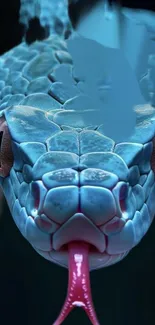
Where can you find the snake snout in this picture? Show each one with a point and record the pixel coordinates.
(77, 207)
(92, 206)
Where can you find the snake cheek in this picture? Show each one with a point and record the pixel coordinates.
(6, 154)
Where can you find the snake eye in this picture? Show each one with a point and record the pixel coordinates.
(6, 155)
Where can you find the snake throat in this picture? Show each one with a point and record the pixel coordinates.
(79, 290)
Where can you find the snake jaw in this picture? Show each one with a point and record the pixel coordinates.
(79, 290)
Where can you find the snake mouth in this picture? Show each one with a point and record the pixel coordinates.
(82, 230)
(92, 248)
(96, 259)
(79, 228)
(93, 251)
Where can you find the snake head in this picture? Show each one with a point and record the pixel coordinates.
(57, 181)
(80, 199)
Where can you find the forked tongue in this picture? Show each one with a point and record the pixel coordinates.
(79, 290)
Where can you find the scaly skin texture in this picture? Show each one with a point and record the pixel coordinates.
(65, 181)
(69, 173)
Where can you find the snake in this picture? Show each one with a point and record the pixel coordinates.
(81, 199)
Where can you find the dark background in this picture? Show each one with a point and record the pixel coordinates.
(32, 290)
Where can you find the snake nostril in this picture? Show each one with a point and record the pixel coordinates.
(123, 194)
(36, 198)
(36, 195)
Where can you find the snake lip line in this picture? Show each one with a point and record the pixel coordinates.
(92, 248)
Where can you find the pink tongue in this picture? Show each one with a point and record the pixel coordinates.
(79, 291)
